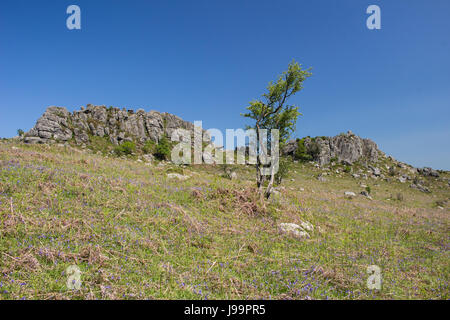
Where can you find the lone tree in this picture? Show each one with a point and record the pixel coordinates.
(273, 112)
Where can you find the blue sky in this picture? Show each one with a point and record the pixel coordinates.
(205, 60)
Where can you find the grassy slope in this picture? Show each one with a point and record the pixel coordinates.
(136, 234)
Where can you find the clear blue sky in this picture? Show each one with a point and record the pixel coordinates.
(205, 60)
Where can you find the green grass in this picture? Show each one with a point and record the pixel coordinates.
(135, 234)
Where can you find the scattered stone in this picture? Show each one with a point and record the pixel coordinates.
(402, 179)
(307, 226)
(346, 162)
(376, 171)
(177, 176)
(441, 203)
(420, 187)
(355, 175)
(428, 172)
(148, 158)
(233, 175)
(294, 230)
(366, 194)
(349, 194)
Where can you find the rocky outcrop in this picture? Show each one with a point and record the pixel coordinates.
(428, 172)
(420, 187)
(57, 124)
(345, 148)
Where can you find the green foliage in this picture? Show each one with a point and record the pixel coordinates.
(368, 189)
(301, 153)
(149, 147)
(163, 149)
(283, 170)
(126, 148)
(272, 112)
(392, 171)
(347, 169)
(101, 144)
(20, 132)
(178, 170)
(314, 149)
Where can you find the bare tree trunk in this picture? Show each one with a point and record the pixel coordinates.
(273, 163)
(270, 185)
(259, 175)
(260, 178)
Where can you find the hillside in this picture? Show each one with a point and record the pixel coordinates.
(158, 231)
